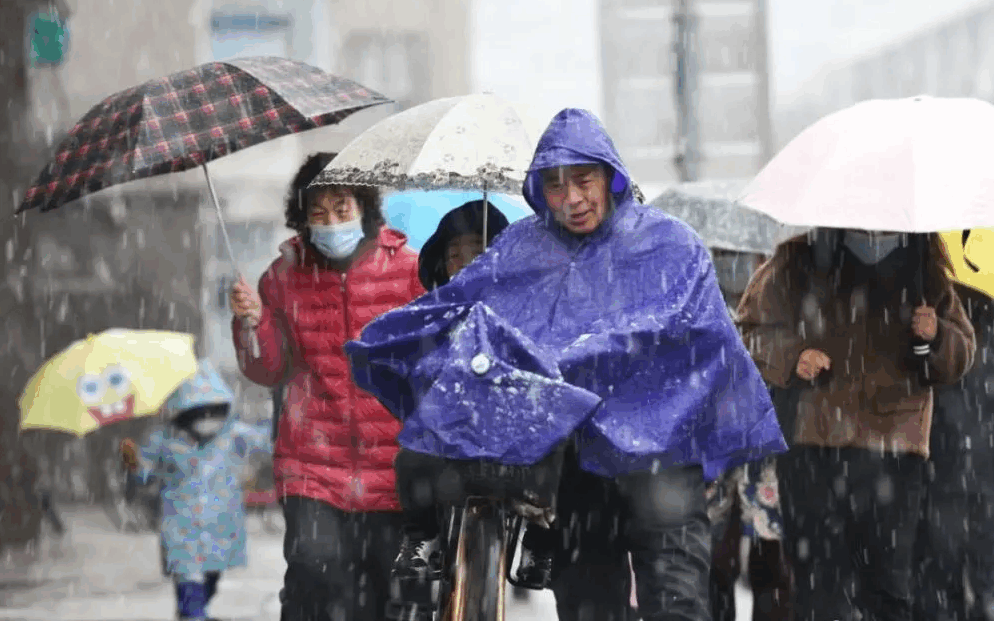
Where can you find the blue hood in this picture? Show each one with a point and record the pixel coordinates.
(206, 388)
(574, 137)
(630, 315)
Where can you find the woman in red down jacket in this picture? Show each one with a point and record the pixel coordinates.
(335, 444)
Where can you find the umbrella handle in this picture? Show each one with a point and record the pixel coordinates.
(486, 213)
(253, 337)
(220, 219)
(920, 271)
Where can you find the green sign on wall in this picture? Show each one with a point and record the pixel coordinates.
(49, 38)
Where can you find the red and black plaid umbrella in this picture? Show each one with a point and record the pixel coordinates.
(189, 118)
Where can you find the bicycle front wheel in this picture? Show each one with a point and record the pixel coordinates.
(478, 592)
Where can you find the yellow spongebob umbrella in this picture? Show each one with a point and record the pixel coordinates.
(109, 377)
(973, 261)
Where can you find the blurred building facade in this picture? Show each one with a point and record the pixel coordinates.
(687, 79)
(954, 58)
(149, 254)
(21, 153)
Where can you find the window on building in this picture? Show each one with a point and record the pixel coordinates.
(238, 34)
(396, 64)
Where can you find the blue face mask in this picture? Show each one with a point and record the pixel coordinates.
(337, 241)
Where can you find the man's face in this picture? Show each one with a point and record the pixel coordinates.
(461, 251)
(577, 195)
(332, 206)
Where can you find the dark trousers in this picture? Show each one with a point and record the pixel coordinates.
(338, 564)
(850, 521)
(661, 519)
(417, 480)
(955, 546)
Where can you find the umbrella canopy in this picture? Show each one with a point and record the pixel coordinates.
(114, 376)
(913, 165)
(710, 208)
(475, 142)
(192, 117)
(418, 213)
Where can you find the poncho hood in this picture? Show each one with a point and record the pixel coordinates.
(559, 146)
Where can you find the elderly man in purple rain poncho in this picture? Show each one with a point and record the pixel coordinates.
(632, 358)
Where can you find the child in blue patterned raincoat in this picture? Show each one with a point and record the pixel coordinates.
(199, 457)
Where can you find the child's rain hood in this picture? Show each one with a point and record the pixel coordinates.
(206, 388)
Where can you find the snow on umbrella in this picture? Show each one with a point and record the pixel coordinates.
(710, 208)
(914, 165)
(474, 142)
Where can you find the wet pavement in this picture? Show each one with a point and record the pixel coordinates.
(95, 573)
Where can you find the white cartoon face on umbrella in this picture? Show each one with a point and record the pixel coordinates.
(109, 395)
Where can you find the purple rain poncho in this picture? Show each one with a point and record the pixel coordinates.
(620, 339)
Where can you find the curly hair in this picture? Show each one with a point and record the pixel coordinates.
(297, 198)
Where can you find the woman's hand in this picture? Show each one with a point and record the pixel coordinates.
(246, 303)
(925, 323)
(812, 363)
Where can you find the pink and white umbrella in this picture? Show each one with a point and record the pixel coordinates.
(920, 164)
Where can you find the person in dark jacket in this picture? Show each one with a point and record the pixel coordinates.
(454, 244)
(457, 241)
(957, 529)
(864, 324)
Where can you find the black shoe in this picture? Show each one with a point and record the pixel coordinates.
(535, 571)
(418, 558)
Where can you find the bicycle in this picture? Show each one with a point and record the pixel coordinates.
(485, 505)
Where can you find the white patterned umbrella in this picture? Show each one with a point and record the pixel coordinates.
(474, 142)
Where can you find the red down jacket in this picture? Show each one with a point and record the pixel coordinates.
(335, 443)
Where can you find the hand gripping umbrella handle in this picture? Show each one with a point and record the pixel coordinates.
(253, 337)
